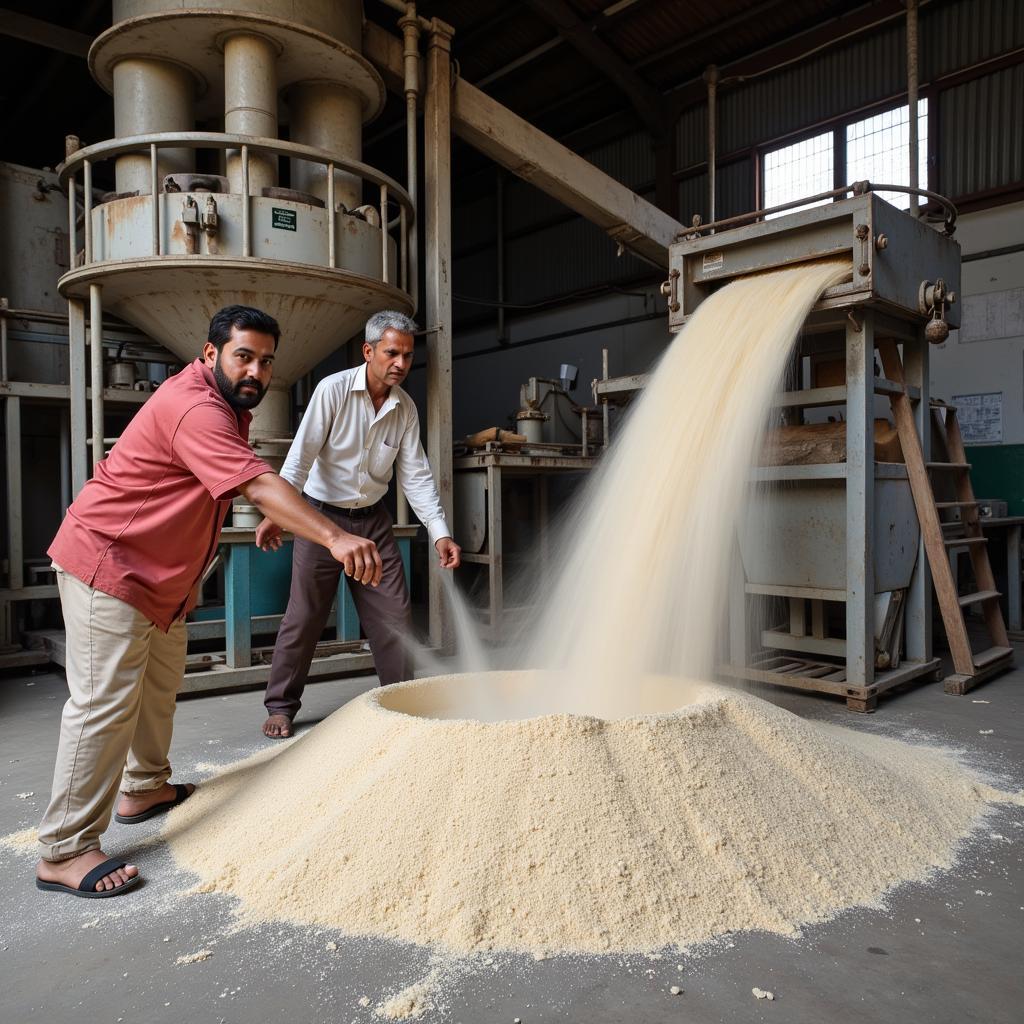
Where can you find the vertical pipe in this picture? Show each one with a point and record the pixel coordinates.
(72, 223)
(76, 379)
(87, 209)
(246, 213)
(605, 413)
(410, 26)
(499, 232)
(403, 249)
(332, 241)
(3, 340)
(151, 96)
(250, 105)
(912, 84)
(384, 270)
(65, 461)
(96, 357)
(438, 227)
(154, 198)
(711, 78)
(329, 117)
(15, 535)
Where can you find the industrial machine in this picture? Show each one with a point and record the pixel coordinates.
(196, 219)
(860, 536)
(837, 548)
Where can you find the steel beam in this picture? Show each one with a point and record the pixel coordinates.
(527, 152)
(646, 100)
(44, 33)
(76, 380)
(437, 217)
(860, 501)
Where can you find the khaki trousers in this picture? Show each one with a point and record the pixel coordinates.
(123, 676)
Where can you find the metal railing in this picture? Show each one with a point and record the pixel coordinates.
(857, 188)
(390, 190)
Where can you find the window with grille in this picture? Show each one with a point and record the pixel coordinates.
(878, 150)
(802, 169)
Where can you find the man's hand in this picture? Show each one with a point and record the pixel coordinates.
(450, 552)
(359, 556)
(268, 536)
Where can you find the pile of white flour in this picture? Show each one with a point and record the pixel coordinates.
(599, 806)
(569, 833)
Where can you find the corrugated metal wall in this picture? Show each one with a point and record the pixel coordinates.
(980, 127)
(981, 133)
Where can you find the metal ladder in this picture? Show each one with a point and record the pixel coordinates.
(970, 668)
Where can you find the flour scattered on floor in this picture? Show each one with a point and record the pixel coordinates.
(411, 1002)
(24, 841)
(195, 958)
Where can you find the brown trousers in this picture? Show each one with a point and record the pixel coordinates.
(383, 610)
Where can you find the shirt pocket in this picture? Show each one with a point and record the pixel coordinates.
(382, 458)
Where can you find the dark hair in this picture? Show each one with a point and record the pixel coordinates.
(245, 318)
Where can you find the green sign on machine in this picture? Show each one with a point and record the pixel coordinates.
(287, 220)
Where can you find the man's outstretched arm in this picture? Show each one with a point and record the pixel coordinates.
(280, 502)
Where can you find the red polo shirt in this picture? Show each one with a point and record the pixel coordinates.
(145, 527)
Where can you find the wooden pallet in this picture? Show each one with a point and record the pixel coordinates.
(802, 673)
(970, 667)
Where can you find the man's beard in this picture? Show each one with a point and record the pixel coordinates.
(231, 391)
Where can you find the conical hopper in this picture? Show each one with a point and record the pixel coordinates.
(173, 299)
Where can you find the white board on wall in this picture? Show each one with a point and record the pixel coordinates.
(992, 315)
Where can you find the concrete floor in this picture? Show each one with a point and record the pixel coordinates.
(946, 951)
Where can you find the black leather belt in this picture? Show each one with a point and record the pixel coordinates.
(352, 513)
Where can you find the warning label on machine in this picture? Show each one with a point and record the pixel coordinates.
(713, 261)
(287, 220)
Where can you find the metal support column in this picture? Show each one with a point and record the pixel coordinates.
(912, 86)
(76, 379)
(237, 605)
(96, 371)
(15, 539)
(860, 499)
(438, 226)
(495, 547)
(919, 597)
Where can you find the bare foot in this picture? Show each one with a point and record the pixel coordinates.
(71, 872)
(136, 803)
(277, 727)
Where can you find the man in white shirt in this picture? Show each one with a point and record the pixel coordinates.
(358, 428)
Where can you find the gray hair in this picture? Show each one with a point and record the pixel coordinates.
(388, 319)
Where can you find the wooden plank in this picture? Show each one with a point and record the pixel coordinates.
(993, 655)
(927, 514)
(976, 598)
(944, 466)
(963, 542)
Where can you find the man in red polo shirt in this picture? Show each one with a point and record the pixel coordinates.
(129, 557)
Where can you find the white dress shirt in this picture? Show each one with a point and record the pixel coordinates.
(344, 452)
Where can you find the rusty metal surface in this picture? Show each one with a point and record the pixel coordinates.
(172, 299)
(190, 39)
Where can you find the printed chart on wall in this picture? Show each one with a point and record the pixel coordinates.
(980, 417)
